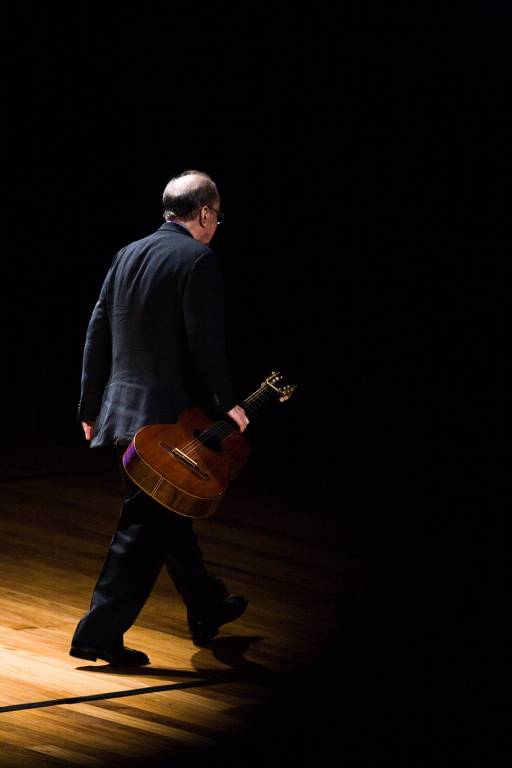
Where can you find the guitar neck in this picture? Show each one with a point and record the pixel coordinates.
(251, 405)
(264, 395)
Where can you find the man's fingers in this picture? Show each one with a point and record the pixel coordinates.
(88, 427)
(238, 415)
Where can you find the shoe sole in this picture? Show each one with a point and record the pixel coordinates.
(90, 655)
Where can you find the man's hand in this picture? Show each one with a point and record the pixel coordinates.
(88, 428)
(237, 413)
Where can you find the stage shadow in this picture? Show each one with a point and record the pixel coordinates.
(189, 674)
(228, 650)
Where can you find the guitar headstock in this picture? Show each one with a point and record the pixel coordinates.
(285, 391)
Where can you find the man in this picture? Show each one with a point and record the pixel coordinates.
(155, 345)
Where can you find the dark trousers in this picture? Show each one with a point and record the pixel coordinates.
(147, 537)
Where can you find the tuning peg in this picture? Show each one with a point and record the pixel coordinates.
(271, 378)
(287, 392)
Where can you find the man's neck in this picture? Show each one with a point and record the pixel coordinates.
(180, 224)
(195, 229)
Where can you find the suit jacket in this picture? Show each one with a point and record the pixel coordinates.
(155, 343)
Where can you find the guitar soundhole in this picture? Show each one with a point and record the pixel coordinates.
(211, 441)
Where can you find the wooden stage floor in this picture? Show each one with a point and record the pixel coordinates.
(297, 565)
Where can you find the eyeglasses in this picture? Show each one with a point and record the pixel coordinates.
(220, 215)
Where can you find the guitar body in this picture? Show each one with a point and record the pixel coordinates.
(175, 468)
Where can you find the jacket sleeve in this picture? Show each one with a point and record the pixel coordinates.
(96, 360)
(204, 311)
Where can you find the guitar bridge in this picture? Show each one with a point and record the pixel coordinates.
(185, 460)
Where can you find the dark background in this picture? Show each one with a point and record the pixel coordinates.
(363, 160)
(104, 108)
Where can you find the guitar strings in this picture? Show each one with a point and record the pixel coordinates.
(222, 429)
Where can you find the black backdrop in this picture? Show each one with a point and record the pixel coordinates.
(105, 106)
(363, 159)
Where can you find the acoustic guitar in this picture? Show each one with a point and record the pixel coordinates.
(188, 466)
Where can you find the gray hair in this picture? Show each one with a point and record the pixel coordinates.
(186, 193)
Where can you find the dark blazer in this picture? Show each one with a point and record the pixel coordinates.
(155, 343)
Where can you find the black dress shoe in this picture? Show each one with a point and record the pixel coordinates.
(204, 630)
(116, 657)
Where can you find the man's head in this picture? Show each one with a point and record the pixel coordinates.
(192, 198)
